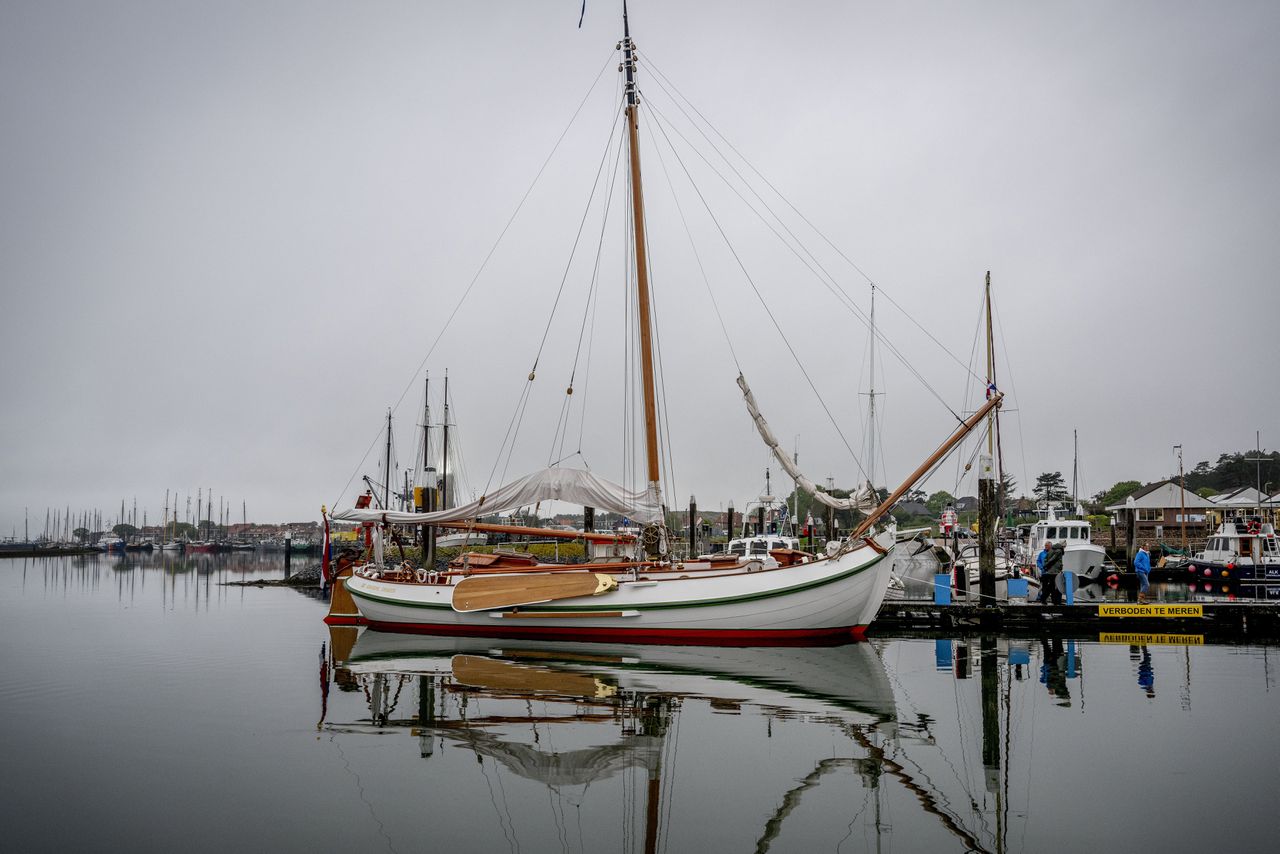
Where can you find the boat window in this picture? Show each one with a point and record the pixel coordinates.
(737, 548)
(759, 547)
(1050, 533)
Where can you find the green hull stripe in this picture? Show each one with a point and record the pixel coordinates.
(577, 609)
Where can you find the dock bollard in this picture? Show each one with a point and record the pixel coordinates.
(942, 588)
(1069, 586)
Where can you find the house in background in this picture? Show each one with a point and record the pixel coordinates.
(1158, 511)
(1245, 502)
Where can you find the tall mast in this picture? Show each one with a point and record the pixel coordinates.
(444, 449)
(871, 415)
(991, 371)
(986, 478)
(642, 262)
(426, 430)
(1075, 470)
(1182, 491)
(386, 484)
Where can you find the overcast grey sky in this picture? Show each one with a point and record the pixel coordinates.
(229, 233)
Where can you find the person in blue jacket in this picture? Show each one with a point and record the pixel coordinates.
(1040, 559)
(1142, 566)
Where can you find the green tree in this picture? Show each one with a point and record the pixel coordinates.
(124, 531)
(938, 501)
(1051, 487)
(1117, 493)
(81, 534)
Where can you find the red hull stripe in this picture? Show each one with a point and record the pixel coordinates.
(692, 637)
(343, 620)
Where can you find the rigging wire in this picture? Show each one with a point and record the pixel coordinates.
(564, 278)
(483, 264)
(1008, 372)
(522, 406)
(815, 267)
(795, 356)
(702, 270)
(588, 310)
(659, 74)
(573, 250)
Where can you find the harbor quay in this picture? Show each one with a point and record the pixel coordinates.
(1220, 621)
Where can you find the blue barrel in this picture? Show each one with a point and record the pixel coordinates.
(1017, 588)
(942, 588)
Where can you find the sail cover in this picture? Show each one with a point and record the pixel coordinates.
(864, 499)
(576, 486)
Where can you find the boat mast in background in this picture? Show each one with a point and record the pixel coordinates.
(1075, 469)
(386, 473)
(871, 397)
(986, 478)
(444, 450)
(1182, 489)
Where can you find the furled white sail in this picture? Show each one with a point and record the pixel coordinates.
(575, 486)
(864, 499)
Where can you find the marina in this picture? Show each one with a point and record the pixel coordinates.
(620, 405)
(950, 742)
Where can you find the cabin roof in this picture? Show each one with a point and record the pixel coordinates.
(1244, 496)
(1162, 495)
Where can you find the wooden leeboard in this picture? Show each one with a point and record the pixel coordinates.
(480, 672)
(480, 593)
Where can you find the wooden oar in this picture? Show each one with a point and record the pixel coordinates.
(507, 591)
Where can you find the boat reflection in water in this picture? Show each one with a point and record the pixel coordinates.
(675, 747)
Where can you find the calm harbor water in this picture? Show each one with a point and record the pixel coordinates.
(146, 706)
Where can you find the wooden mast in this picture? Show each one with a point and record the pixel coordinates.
(987, 495)
(642, 264)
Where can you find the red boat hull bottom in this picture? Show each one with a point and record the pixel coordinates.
(345, 620)
(685, 637)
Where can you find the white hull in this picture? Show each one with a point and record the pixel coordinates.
(829, 597)
(453, 541)
(850, 676)
(1086, 560)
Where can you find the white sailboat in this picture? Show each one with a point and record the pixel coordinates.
(653, 596)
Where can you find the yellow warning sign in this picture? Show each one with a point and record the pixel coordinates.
(1154, 610)
(1135, 639)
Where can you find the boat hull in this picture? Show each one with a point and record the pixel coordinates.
(1086, 560)
(832, 599)
(1196, 570)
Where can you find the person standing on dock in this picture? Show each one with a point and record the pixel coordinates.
(1049, 592)
(1142, 566)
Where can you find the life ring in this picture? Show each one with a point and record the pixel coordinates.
(1253, 528)
(421, 575)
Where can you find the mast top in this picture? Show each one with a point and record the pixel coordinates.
(628, 67)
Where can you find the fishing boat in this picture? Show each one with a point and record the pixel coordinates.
(651, 595)
(1081, 555)
(1240, 550)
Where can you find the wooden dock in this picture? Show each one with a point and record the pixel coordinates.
(1220, 621)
